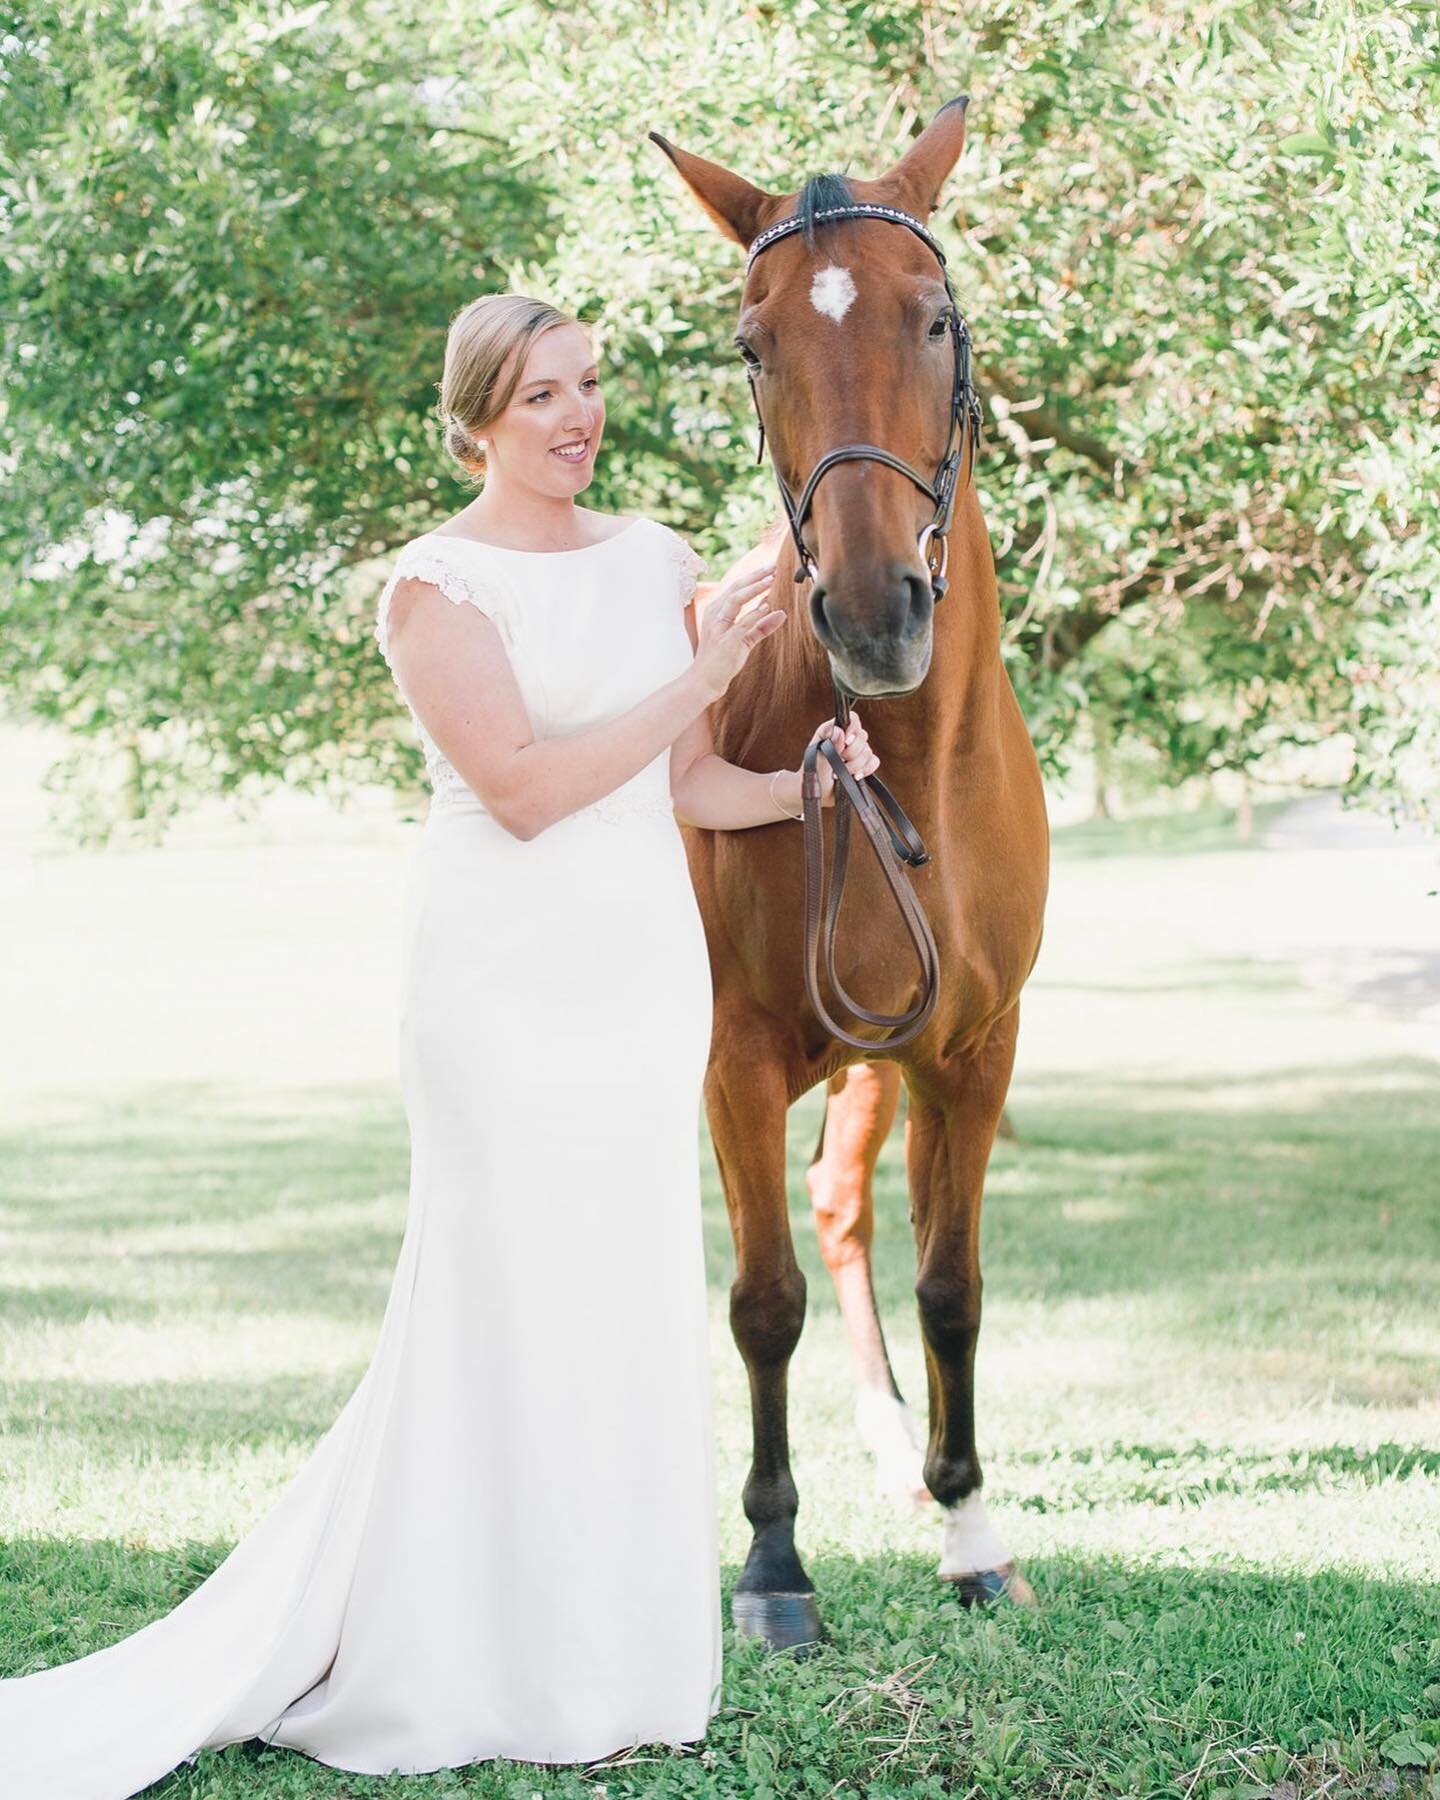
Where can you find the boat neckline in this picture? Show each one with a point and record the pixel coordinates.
(454, 537)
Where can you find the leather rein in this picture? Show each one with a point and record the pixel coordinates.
(892, 838)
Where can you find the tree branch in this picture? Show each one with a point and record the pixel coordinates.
(1044, 420)
(1066, 634)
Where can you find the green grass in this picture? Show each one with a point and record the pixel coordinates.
(1207, 1403)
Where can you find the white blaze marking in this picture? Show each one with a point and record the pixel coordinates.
(832, 291)
(970, 1540)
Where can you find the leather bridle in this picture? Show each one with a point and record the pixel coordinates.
(891, 836)
(965, 414)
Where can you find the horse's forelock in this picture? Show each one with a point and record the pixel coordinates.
(819, 193)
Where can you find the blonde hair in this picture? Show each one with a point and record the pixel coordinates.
(482, 335)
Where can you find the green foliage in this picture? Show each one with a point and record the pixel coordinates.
(1198, 250)
(1230, 275)
(231, 244)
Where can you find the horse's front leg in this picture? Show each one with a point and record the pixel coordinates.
(745, 1101)
(954, 1113)
(859, 1110)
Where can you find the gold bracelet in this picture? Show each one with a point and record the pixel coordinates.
(789, 815)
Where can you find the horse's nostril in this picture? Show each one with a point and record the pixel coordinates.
(819, 619)
(923, 596)
(904, 619)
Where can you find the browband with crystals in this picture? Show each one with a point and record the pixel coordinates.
(857, 209)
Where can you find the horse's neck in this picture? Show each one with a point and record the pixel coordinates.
(954, 709)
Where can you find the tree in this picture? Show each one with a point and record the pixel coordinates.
(1197, 250)
(231, 243)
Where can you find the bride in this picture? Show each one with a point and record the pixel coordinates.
(506, 1544)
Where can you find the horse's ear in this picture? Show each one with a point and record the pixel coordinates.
(920, 173)
(738, 208)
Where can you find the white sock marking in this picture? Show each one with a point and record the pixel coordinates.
(889, 1433)
(970, 1540)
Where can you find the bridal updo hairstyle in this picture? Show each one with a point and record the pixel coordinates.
(482, 335)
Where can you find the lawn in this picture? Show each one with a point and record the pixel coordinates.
(1208, 1399)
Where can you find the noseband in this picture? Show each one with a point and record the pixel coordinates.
(892, 838)
(966, 417)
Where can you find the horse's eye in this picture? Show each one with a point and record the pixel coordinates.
(942, 325)
(747, 355)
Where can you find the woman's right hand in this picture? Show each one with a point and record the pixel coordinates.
(724, 640)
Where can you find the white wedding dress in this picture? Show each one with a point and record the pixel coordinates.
(506, 1544)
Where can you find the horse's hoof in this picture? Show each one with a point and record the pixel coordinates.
(984, 1587)
(785, 1621)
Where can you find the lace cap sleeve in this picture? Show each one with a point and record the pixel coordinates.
(688, 566)
(419, 560)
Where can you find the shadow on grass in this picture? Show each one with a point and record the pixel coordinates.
(1149, 1186)
(1273, 1216)
(1306, 1194)
(1403, 983)
(69, 1304)
(179, 1162)
(198, 1164)
(1134, 1676)
(129, 1422)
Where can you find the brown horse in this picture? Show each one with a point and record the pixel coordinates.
(843, 326)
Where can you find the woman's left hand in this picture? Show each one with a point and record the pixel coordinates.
(855, 752)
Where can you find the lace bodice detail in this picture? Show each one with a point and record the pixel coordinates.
(416, 563)
(518, 591)
(687, 566)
